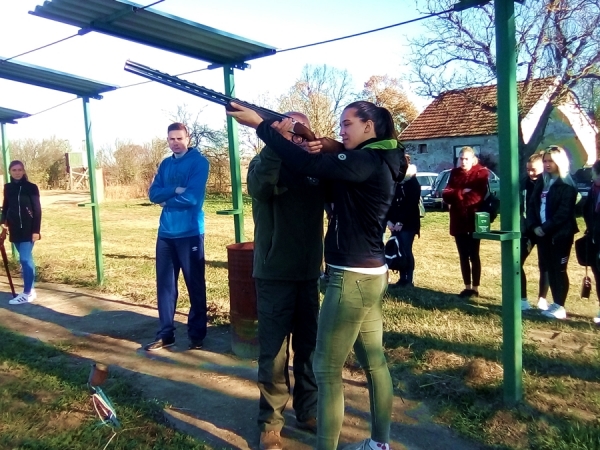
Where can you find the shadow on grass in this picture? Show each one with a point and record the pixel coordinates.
(429, 299)
(123, 390)
(474, 404)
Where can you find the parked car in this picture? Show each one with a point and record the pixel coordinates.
(426, 180)
(434, 200)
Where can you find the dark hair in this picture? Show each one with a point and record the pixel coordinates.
(16, 162)
(381, 117)
(596, 167)
(178, 126)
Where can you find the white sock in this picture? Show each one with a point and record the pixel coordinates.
(374, 445)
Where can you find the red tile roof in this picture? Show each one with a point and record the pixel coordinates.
(469, 112)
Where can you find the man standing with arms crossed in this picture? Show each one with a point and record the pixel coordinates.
(288, 249)
(179, 187)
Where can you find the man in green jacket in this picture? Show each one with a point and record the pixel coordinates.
(288, 249)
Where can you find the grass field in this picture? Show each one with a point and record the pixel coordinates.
(439, 347)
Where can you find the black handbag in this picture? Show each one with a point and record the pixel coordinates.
(394, 258)
(490, 204)
(585, 251)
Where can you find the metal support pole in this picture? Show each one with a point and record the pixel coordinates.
(5, 152)
(6, 162)
(509, 205)
(93, 191)
(234, 161)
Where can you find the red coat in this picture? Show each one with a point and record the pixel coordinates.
(463, 206)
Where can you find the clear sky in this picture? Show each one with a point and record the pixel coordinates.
(141, 112)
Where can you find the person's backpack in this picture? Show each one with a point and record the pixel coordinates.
(490, 204)
(394, 259)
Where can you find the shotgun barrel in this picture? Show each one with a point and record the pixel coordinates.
(329, 145)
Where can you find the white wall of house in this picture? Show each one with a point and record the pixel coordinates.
(439, 152)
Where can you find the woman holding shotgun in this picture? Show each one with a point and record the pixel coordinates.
(363, 176)
(22, 217)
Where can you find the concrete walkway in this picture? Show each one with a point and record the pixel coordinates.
(211, 393)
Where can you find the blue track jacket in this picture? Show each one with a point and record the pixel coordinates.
(182, 215)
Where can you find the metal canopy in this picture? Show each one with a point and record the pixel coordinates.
(52, 79)
(11, 116)
(131, 21)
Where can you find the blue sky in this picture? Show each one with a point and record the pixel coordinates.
(142, 112)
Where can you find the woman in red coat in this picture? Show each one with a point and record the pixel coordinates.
(466, 189)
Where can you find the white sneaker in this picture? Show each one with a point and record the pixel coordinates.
(597, 319)
(525, 304)
(555, 311)
(22, 298)
(542, 304)
(32, 295)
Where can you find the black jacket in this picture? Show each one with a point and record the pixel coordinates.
(591, 217)
(405, 206)
(362, 193)
(287, 208)
(21, 210)
(560, 209)
(526, 189)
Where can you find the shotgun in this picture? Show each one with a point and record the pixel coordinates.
(329, 145)
(5, 261)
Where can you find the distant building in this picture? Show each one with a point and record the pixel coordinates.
(467, 117)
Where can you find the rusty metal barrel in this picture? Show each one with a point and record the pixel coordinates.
(242, 300)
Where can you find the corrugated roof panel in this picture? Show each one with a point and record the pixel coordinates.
(52, 79)
(11, 115)
(127, 20)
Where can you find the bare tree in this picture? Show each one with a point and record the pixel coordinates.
(321, 93)
(199, 132)
(557, 38)
(44, 160)
(387, 92)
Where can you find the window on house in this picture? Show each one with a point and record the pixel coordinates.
(422, 148)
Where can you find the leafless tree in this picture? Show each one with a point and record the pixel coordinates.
(387, 92)
(557, 38)
(321, 93)
(44, 160)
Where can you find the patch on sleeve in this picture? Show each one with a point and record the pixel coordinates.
(342, 157)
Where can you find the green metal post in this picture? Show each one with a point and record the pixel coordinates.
(91, 158)
(5, 152)
(509, 194)
(6, 162)
(234, 161)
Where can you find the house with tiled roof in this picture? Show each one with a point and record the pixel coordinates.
(468, 117)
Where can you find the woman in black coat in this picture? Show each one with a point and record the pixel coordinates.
(404, 221)
(551, 216)
(591, 215)
(22, 217)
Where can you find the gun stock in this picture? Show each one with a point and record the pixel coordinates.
(329, 145)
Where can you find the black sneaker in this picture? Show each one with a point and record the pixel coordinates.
(468, 293)
(158, 345)
(195, 345)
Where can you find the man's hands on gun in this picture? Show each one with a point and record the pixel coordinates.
(250, 118)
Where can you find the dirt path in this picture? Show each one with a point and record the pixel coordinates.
(211, 393)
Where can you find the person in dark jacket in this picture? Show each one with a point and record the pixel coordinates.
(22, 217)
(551, 216)
(535, 167)
(466, 189)
(363, 177)
(179, 188)
(287, 208)
(404, 220)
(591, 215)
